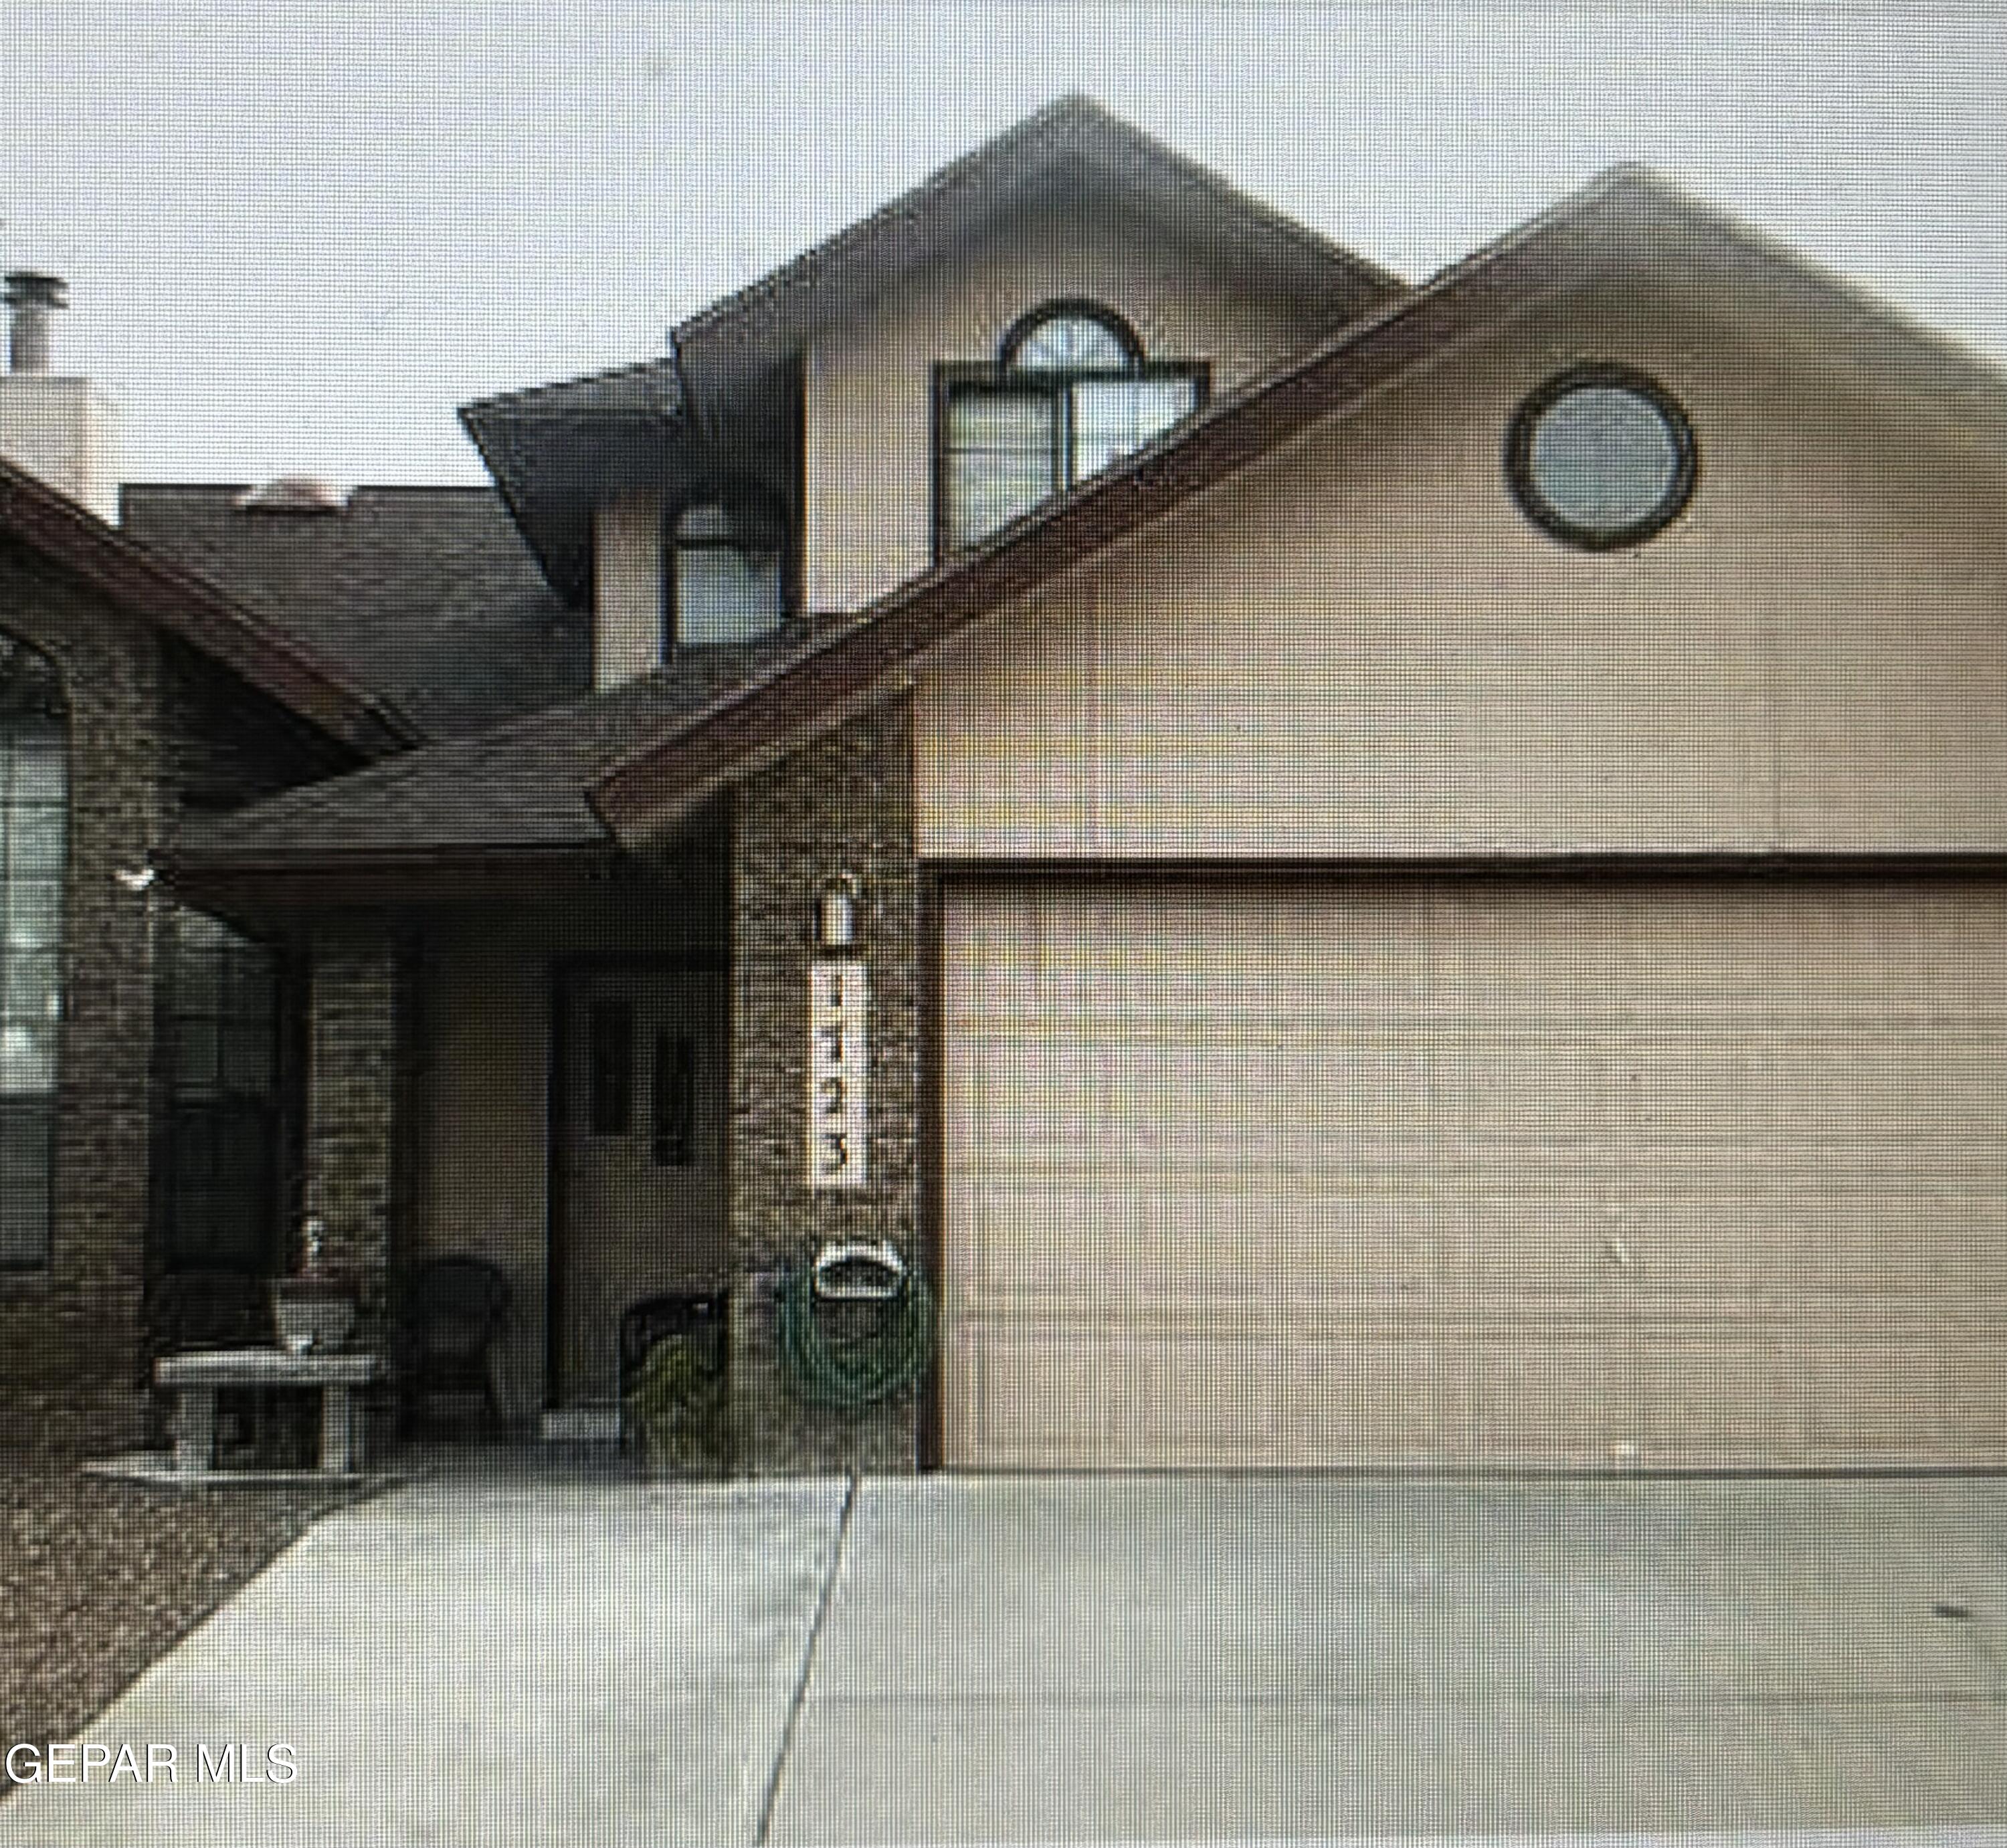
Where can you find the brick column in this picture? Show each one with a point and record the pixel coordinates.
(351, 1128)
(843, 804)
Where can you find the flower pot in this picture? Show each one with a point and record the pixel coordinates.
(312, 1314)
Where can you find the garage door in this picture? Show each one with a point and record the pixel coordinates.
(1692, 1171)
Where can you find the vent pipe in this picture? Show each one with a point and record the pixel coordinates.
(32, 298)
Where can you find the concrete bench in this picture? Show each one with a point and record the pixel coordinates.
(196, 1379)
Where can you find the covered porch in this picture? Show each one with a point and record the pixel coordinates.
(524, 1070)
(509, 1052)
(579, 1069)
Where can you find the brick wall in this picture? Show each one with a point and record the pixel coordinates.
(843, 804)
(151, 725)
(71, 1355)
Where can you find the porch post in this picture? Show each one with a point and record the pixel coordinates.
(352, 1082)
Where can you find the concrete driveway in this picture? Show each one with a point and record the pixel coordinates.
(548, 1661)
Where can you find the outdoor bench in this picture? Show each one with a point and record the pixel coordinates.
(196, 1379)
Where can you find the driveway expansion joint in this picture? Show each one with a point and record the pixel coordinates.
(772, 1794)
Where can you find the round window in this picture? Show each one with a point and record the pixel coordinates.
(1601, 456)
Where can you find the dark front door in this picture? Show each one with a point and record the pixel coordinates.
(643, 1131)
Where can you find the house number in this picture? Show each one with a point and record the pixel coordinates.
(839, 1050)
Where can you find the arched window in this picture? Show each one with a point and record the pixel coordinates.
(1075, 337)
(729, 573)
(1071, 392)
(34, 844)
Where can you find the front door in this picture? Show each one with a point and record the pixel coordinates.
(643, 1152)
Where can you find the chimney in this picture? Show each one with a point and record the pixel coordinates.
(65, 431)
(32, 299)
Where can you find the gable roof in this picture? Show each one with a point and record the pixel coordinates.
(1070, 148)
(1628, 219)
(645, 423)
(138, 579)
(427, 594)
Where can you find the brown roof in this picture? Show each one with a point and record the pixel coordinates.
(1628, 218)
(427, 595)
(516, 792)
(554, 450)
(138, 578)
(1074, 141)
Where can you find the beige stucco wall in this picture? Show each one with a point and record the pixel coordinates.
(1359, 646)
(488, 1015)
(868, 476)
(626, 587)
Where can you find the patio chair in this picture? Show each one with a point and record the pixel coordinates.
(453, 1312)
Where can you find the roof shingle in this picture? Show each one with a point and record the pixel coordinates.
(427, 595)
(519, 788)
(155, 583)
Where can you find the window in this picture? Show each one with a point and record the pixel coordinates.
(1071, 393)
(34, 829)
(1601, 456)
(729, 581)
(222, 1204)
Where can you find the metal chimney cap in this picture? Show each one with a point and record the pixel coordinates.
(36, 288)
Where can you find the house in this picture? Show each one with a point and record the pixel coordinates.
(1406, 875)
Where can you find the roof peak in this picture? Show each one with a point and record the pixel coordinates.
(1073, 148)
(1006, 166)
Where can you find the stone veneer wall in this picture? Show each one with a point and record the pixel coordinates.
(71, 1349)
(843, 804)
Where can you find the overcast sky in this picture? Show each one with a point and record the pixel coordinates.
(297, 236)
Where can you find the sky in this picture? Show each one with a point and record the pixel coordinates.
(298, 236)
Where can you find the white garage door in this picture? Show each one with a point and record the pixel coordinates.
(1693, 1171)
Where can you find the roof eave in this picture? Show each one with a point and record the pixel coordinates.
(1073, 130)
(270, 886)
(764, 324)
(587, 451)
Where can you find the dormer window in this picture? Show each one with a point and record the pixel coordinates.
(727, 575)
(1071, 392)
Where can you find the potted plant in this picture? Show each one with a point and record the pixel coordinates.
(678, 1408)
(314, 1308)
